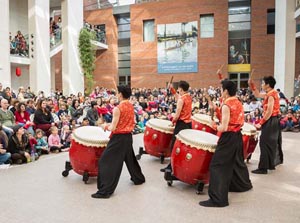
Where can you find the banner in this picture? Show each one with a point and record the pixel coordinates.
(177, 47)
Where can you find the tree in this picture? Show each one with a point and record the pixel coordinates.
(87, 56)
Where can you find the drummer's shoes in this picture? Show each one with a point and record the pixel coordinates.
(98, 195)
(166, 168)
(260, 171)
(210, 203)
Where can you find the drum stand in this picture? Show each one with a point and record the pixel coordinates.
(68, 167)
(142, 151)
(169, 177)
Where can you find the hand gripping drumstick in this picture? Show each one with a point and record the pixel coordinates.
(219, 73)
(173, 91)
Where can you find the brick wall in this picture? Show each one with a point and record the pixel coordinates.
(58, 70)
(106, 72)
(262, 44)
(212, 52)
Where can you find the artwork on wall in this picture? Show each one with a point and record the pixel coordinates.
(177, 47)
(239, 51)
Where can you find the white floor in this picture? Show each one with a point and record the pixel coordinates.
(37, 193)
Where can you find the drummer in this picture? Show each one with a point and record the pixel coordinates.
(270, 138)
(119, 148)
(182, 119)
(228, 171)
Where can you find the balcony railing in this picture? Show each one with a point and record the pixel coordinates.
(55, 38)
(19, 46)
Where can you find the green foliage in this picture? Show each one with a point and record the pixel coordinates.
(87, 56)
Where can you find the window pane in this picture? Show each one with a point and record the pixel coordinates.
(148, 30)
(239, 10)
(125, 27)
(124, 35)
(239, 26)
(206, 26)
(240, 18)
(271, 21)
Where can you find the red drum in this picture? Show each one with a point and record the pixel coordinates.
(250, 139)
(202, 122)
(157, 137)
(87, 145)
(191, 155)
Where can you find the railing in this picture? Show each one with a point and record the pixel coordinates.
(99, 31)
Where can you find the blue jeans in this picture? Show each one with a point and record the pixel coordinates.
(4, 157)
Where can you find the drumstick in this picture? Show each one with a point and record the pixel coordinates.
(251, 74)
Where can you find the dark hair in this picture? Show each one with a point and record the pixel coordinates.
(125, 91)
(93, 103)
(74, 102)
(19, 106)
(184, 85)
(230, 86)
(270, 80)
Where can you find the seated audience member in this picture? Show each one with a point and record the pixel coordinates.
(92, 114)
(30, 108)
(19, 146)
(85, 122)
(66, 136)
(42, 146)
(289, 122)
(42, 117)
(54, 140)
(23, 118)
(4, 155)
(7, 118)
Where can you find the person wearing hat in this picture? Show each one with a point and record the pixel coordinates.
(92, 114)
(119, 148)
(19, 146)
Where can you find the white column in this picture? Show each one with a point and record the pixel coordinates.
(5, 75)
(39, 41)
(72, 22)
(285, 45)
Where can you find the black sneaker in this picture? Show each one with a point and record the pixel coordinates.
(209, 203)
(99, 196)
(260, 171)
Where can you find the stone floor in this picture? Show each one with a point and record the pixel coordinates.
(37, 193)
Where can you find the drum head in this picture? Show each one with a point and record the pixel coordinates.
(161, 125)
(248, 129)
(91, 136)
(204, 119)
(198, 139)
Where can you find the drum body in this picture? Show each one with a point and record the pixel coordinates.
(157, 137)
(191, 155)
(250, 139)
(202, 122)
(87, 146)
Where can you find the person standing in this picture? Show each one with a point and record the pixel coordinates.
(119, 148)
(228, 172)
(182, 119)
(270, 139)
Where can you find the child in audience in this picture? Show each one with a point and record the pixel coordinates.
(42, 146)
(66, 137)
(54, 140)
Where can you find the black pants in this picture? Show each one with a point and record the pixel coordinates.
(270, 144)
(118, 150)
(180, 125)
(228, 172)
